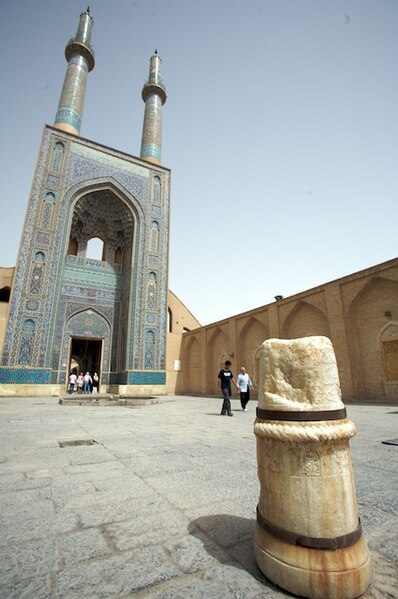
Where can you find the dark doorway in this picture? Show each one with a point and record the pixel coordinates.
(85, 355)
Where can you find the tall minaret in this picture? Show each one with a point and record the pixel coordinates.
(80, 57)
(154, 96)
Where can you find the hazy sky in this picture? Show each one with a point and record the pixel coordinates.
(281, 130)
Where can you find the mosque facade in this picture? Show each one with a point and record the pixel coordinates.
(67, 310)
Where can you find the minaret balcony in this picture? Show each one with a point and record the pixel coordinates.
(154, 88)
(75, 47)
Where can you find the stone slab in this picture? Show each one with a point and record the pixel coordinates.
(163, 506)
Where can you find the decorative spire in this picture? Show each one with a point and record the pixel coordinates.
(80, 57)
(154, 96)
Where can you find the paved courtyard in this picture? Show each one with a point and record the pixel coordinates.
(162, 506)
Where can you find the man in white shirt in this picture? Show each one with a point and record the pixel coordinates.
(72, 382)
(244, 384)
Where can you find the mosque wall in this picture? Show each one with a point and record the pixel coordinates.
(179, 322)
(359, 313)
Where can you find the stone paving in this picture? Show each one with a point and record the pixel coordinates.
(162, 506)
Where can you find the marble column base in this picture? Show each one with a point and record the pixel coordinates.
(317, 574)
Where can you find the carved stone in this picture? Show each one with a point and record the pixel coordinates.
(308, 538)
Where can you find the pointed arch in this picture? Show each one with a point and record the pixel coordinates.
(193, 369)
(88, 311)
(157, 190)
(154, 242)
(251, 336)
(118, 256)
(113, 187)
(128, 234)
(96, 249)
(218, 350)
(305, 320)
(5, 294)
(87, 324)
(57, 156)
(368, 331)
(73, 246)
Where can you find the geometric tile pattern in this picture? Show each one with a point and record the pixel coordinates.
(83, 190)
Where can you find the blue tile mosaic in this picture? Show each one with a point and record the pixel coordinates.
(22, 376)
(56, 289)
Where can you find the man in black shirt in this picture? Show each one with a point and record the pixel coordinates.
(225, 377)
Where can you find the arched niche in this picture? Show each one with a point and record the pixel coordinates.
(169, 320)
(90, 329)
(26, 340)
(57, 157)
(102, 214)
(218, 350)
(193, 367)
(73, 246)
(366, 323)
(118, 256)
(156, 190)
(154, 237)
(305, 320)
(388, 340)
(5, 294)
(151, 291)
(251, 336)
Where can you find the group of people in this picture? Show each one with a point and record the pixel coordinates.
(243, 386)
(84, 383)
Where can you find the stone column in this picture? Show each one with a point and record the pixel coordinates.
(308, 537)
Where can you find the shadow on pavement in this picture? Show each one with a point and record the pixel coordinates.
(229, 539)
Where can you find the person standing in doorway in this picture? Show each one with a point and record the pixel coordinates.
(87, 382)
(225, 377)
(95, 383)
(72, 382)
(244, 384)
(80, 383)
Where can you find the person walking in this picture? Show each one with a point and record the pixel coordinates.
(244, 383)
(87, 382)
(225, 377)
(72, 382)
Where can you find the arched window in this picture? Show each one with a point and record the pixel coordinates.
(95, 249)
(5, 294)
(169, 320)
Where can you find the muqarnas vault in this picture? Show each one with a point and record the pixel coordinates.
(67, 309)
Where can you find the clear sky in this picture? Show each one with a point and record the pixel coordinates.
(281, 130)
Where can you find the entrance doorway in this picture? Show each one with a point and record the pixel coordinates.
(85, 355)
